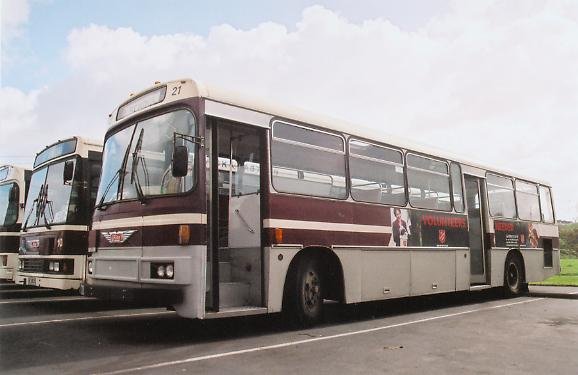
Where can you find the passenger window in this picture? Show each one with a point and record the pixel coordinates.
(308, 162)
(546, 204)
(457, 190)
(376, 173)
(528, 201)
(501, 196)
(429, 183)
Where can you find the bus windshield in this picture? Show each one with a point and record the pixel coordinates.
(51, 200)
(137, 160)
(8, 207)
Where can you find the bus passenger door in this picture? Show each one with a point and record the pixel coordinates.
(236, 252)
(476, 229)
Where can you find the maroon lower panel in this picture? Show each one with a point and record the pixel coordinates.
(293, 207)
(9, 244)
(156, 235)
(168, 235)
(327, 238)
(65, 242)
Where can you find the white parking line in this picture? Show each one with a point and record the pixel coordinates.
(95, 317)
(48, 299)
(307, 341)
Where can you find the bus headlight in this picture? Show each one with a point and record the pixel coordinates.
(170, 271)
(56, 267)
(161, 271)
(90, 267)
(51, 266)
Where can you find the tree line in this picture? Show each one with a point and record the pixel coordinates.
(569, 240)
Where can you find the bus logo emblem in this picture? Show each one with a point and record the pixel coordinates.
(118, 236)
(442, 236)
(35, 244)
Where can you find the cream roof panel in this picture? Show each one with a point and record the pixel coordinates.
(215, 93)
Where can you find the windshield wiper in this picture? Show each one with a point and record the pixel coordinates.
(46, 204)
(36, 206)
(25, 225)
(100, 204)
(133, 173)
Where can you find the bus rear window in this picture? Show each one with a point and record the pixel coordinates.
(546, 204)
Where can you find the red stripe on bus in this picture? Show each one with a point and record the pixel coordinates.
(327, 238)
(327, 210)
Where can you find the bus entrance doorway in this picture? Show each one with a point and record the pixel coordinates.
(476, 229)
(235, 254)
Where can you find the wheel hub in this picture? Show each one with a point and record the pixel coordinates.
(513, 275)
(311, 289)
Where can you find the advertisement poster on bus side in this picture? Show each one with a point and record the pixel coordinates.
(512, 234)
(427, 229)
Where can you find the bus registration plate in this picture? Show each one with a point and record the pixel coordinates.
(31, 281)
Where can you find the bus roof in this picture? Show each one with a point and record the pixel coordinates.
(82, 147)
(10, 172)
(215, 93)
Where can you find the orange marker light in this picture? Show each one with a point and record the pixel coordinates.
(184, 234)
(278, 235)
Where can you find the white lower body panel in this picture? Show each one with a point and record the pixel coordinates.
(53, 281)
(11, 261)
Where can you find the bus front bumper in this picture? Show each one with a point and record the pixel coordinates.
(41, 280)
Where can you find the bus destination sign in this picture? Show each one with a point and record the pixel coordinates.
(146, 100)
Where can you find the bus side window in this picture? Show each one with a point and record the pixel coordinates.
(428, 183)
(501, 196)
(308, 162)
(376, 173)
(528, 201)
(457, 190)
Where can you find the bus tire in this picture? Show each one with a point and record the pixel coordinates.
(306, 293)
(514, 284)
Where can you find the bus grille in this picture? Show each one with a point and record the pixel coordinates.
(33, 265)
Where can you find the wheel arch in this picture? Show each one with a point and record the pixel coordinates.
(330, 267)
(517, 253)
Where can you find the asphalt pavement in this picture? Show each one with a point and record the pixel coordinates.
(52, 332)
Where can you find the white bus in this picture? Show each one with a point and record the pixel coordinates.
(14, 183)
(54, 237)
(311, 209)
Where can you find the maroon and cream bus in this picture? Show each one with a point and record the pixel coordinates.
(219, 206)
(14, 183)
(54, 237)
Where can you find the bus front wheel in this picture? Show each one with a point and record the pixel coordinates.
(306, 300)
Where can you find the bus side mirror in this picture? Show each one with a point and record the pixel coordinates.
(68, 171)
(180, 161)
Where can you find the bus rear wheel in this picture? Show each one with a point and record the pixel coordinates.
(514, 277)
(306, 296)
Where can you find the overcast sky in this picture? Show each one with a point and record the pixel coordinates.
(492, 81)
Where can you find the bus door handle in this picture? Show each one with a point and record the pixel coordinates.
(251, 230)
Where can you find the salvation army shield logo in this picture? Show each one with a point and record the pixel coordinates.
(442, 236)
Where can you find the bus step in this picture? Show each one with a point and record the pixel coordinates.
(479, 287)
(224, 272)
(229, 312)
(233, 294)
